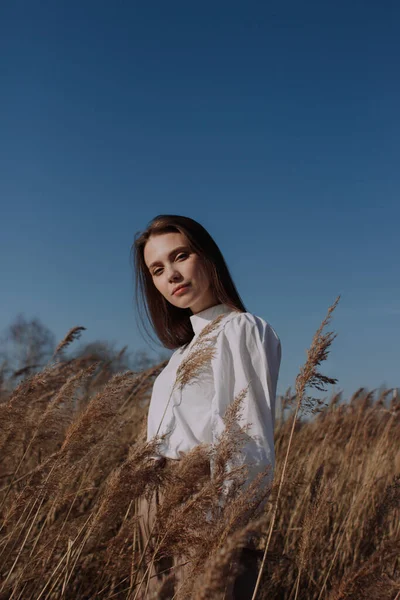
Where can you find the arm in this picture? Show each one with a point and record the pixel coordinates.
(248, 353)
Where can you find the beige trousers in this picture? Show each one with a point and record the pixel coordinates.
(147, 512)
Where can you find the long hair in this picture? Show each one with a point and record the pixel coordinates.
(171, 323)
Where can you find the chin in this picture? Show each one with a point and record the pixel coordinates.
(184, 304)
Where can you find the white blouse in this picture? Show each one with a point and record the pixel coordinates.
(247, 351)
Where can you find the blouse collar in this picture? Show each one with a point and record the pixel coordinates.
(202, 318)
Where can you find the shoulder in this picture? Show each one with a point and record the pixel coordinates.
(248, 325)
(246, 336)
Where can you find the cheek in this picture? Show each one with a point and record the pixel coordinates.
(200, 272)
(157, 283)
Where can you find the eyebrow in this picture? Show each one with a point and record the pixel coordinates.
(175, 251)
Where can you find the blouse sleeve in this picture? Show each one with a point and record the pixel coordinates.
(248, 354)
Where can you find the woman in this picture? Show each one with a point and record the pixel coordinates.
(186, 285)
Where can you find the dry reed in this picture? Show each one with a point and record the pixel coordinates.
(74, 458)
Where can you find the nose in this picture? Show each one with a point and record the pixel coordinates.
(174, 274)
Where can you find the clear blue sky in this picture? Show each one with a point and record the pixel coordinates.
(274, 124)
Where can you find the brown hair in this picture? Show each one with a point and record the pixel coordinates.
(171, 323)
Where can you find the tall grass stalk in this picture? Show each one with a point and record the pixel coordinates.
(75, 462)
(308, 377)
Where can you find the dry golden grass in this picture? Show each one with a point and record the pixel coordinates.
(74, 458)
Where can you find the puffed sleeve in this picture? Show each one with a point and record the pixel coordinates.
(248, 353)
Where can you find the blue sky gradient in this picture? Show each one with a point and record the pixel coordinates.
(275, 125)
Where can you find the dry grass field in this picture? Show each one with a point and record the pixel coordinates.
(74, 458)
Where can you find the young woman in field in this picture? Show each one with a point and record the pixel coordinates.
(186, 286)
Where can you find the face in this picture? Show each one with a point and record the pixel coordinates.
(171, 263)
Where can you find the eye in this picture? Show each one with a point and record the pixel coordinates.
(184, 254)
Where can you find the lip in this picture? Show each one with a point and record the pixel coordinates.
(180, 287)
